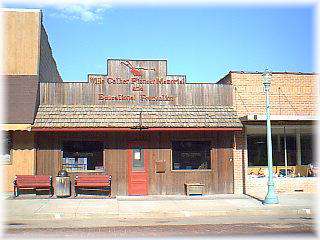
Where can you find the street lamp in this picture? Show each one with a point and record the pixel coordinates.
(271, 197)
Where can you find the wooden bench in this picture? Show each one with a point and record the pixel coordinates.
(92, 182)
(35, 182)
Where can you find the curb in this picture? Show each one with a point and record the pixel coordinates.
(160, 215)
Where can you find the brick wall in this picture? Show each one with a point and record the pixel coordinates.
(257, 187)
(290, 94)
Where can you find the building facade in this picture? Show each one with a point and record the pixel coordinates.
(27, 61)
(293, 98)
(151, 131)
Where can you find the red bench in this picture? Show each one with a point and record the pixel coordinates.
(92, 182)
(32, 182)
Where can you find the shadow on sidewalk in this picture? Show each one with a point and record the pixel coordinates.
(254, 197)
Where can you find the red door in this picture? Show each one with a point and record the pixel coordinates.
(137, 168)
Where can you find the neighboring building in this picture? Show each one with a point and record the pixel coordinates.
(153, 132)
(293, 108)
(27, 61)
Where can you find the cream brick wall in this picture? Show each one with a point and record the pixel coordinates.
(257, 187)
(290, 94)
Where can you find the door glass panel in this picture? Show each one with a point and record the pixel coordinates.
(138, 160)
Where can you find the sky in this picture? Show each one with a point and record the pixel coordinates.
(202, 42)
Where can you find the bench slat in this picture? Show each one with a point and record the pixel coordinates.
(90, 178)
(33, 176)
(34, 186)
(33, 181)
(93, 185)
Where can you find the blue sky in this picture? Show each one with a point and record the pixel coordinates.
(204, 42)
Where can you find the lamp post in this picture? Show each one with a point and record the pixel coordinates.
(271, 197)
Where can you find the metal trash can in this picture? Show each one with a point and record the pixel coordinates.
(63, 184)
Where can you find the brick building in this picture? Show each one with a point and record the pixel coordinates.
(293, 97)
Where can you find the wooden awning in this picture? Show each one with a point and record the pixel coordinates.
(136, 118)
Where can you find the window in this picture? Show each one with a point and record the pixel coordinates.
(306, 149)
(257, 150)
(6, 143)
(138, 160)
(191, 155)
(291, 151)
(82, 156)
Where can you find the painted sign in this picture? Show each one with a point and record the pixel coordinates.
(136, 85)
(104, 79)
(140, 97)
(136, 71)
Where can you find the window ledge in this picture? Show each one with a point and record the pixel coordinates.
(88, 171)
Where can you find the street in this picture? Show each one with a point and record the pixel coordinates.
(182, 227)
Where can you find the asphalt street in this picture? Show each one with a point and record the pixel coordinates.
(297, 226)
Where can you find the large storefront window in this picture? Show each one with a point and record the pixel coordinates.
(306, 149)
(279, 153)
(257, 150)
(191, 155)
(82, 156)
(6, 143)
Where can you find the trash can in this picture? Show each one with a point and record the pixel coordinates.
(63, 184)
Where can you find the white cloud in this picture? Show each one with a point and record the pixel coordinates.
(93, 10)
(84, 10)
(81, 12)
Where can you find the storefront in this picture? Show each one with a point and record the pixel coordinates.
(152, 136)
(292, 147)
(293, 98)
(152, 131)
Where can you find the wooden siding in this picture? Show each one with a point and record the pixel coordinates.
(22, 158)
(87, 93)
(225, 162)
(26, 47)
(48, 155)
(48, 71)
(21, 35)
(21, 99)
(157, 68)
(219, 179)
(27, 60)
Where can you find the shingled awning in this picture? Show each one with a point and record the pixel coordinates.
(101, 116)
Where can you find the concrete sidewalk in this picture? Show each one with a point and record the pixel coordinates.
(155, 207)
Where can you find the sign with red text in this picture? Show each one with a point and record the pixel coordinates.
(139, 88)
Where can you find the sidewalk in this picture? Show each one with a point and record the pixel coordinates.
(155, 207)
